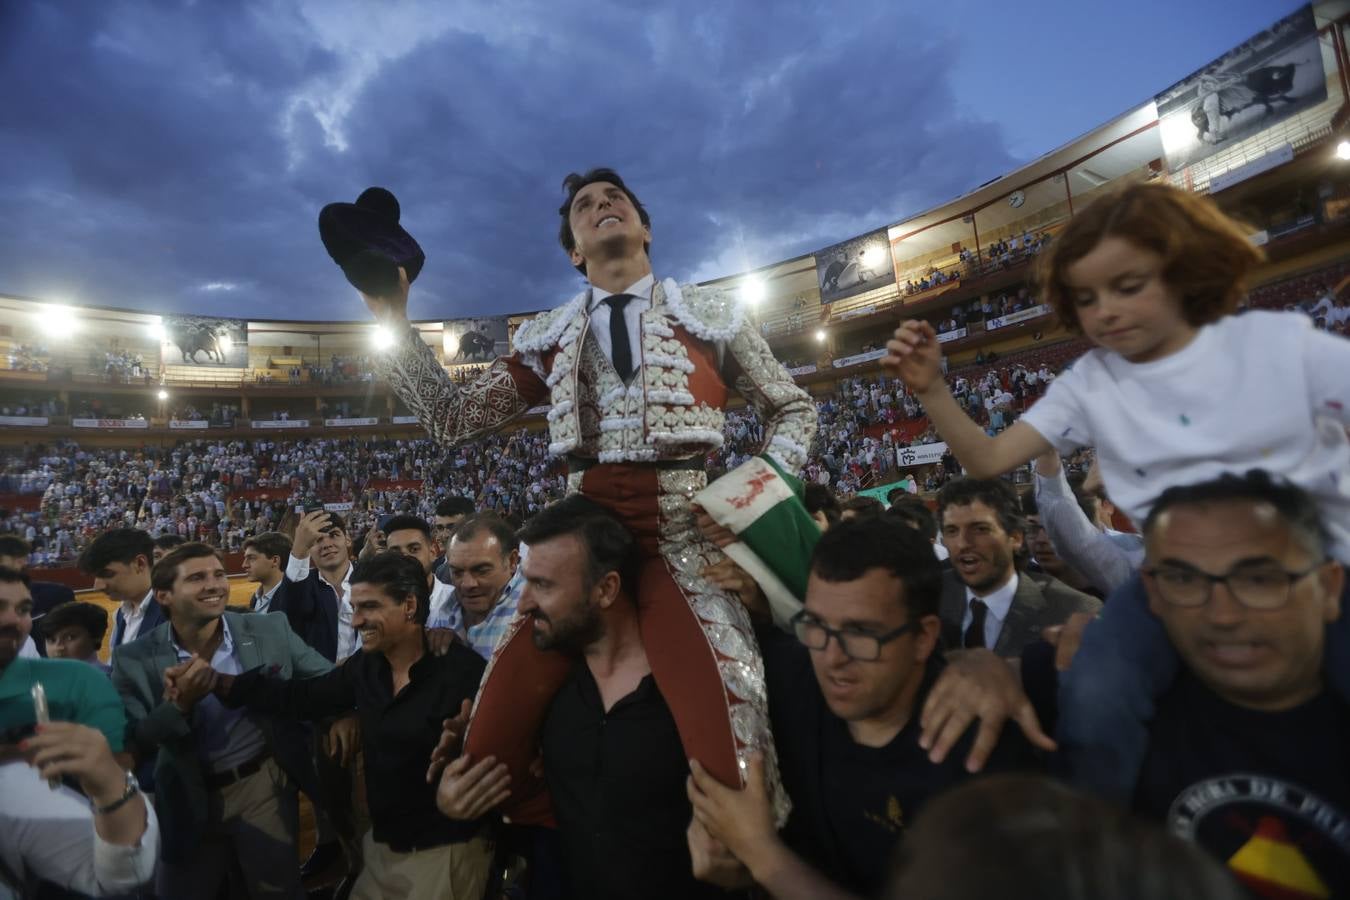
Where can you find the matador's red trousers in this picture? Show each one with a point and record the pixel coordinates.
(698, 640)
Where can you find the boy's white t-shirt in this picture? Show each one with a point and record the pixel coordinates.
(1261, 390)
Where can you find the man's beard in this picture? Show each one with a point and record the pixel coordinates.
(573, 633)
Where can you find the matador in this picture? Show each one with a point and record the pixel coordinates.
(637, 374)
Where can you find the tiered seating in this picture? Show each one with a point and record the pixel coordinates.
(1299, 288)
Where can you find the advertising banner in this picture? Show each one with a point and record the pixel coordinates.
(854, 266)
(945, 337)
(280, 423)
(1257, 84)
(1025, 315)
(110, 423)
(352, 422)
(855, 359)
(23, 421)
(188, 424)
(404, 420)
(922, 455)
(797, 371)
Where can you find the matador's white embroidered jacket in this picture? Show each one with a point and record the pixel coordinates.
(695, 343)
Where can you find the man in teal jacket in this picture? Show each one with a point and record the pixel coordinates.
(225, 779)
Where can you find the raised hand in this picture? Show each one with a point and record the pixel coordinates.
(311, 527)
(393, 308)
(914, 356)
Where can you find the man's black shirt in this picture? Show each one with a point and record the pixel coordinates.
(852, 804)
(617, 781)
(398, 733)
(1268, 793)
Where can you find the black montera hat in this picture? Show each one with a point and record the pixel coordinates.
(365, 239)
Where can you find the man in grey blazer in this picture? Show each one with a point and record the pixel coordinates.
(985, 601)
(225, 780)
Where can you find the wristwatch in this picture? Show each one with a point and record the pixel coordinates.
(133, 788)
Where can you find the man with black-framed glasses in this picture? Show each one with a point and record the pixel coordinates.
(1249, 752)
(844, 699)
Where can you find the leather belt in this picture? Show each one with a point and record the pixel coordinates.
(692, 464)
(217, 780)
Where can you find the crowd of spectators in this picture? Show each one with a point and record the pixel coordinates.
(220, 415)
(21, 357)
(213, 490)
(33, 406)
(120, 366)
(1001, 254)
(983, 309)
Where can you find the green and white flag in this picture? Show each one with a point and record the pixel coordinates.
(763, 506)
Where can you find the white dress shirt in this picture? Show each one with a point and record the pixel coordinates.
(600, 312)
(50, 834)
(262, 600)
(1106, 560)
(998, 604)
(131, 628)
(298, 570)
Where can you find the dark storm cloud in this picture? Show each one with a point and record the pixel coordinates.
(174, 156)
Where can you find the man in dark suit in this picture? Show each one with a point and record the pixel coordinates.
(985, 602)
(47, 595)
(225, 780)
(120, 561)
(315, 595)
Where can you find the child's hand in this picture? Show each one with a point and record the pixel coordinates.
(913, 356)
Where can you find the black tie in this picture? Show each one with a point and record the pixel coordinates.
(618, 335)
(975, 633)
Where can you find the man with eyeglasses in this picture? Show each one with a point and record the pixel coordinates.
(1248, 753)
(844, 698)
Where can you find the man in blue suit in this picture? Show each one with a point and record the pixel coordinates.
(120, 561)
(47, 595)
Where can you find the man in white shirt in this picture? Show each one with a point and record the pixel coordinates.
(120, 561)
(265, 558)
(985, 603)
(102, 843)
(318, 596)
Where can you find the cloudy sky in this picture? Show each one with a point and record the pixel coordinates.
(173, 155)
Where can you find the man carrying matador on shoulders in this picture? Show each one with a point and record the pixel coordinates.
(637, 372)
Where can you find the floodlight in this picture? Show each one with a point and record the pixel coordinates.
(1343, 150)
(820, 335)
(225, 343)
(381, 338)
(753, 291)
(56, 320)
(163, 394)
(158, 331)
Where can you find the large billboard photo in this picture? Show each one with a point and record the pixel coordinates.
(1274, 75)
(205, 341)
(474, 341)
(854, 267)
